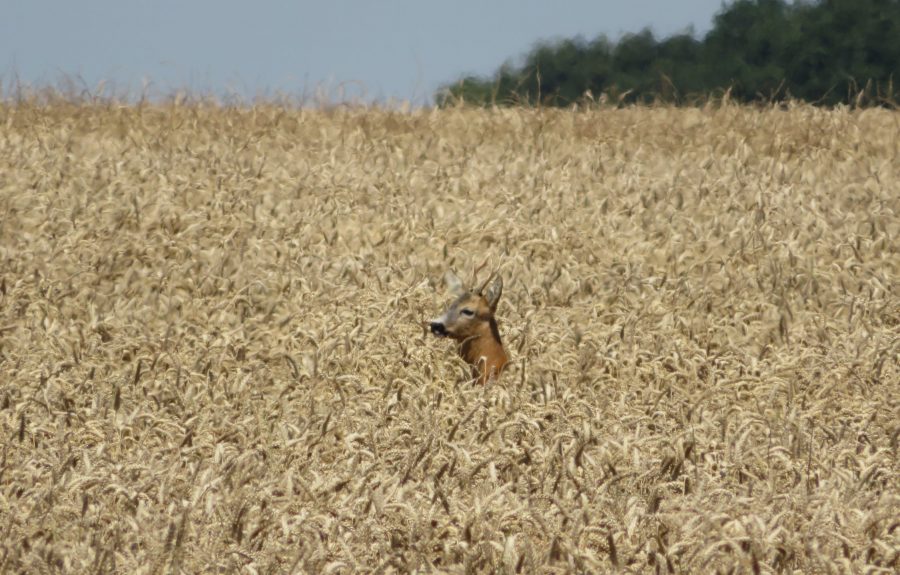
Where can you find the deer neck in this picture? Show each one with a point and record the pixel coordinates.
(484, 352)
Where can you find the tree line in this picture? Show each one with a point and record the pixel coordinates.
(827, 52)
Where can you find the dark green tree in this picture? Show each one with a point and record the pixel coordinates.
(747, 46)
(843, 45)
(829, 52)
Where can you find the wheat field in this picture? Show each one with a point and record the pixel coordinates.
(213, 357)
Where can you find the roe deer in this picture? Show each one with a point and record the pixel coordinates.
(470, 321)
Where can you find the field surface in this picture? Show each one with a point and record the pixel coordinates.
(213, 358)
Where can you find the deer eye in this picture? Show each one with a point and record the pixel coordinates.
(467, 312)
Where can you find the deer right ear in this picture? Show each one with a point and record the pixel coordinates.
(454, 284)
(494, 292)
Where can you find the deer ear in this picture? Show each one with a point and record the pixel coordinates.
(454, 284)
(493, 293)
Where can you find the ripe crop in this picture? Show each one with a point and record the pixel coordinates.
(213, 354)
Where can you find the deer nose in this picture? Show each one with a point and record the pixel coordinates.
(438, 329)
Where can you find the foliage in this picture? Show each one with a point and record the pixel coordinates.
(832, 51)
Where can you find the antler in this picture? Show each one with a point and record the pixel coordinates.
(490, 277)
(475, 272)
(486, 282)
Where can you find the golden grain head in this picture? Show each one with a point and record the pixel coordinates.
(212, 356)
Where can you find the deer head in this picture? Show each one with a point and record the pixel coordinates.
(470, 321)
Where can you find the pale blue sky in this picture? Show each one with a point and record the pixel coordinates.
(400, 49)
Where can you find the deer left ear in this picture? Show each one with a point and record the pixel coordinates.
(493, 293)
(454, 284)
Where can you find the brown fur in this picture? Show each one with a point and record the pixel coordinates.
(470, 321)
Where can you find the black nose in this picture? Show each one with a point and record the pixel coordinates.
(439, 329)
